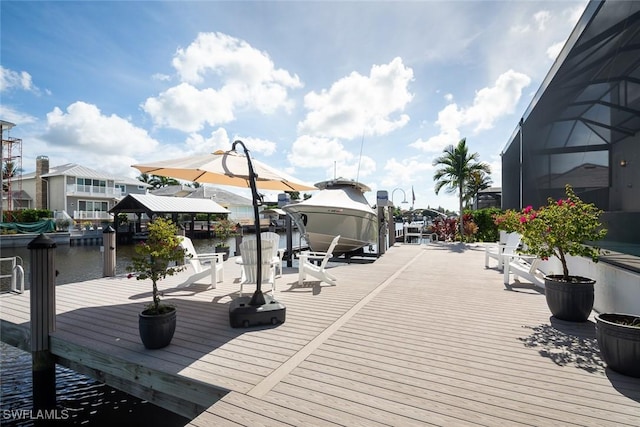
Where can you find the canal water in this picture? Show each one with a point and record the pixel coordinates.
(80, 400)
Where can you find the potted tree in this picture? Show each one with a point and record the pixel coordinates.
(223, 230)
(155, 259)
(561, 228)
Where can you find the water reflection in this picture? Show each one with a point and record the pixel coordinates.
(87, 402)
(79, 399)
(80, 263)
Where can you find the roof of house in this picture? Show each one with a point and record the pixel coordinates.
(491, 190)
(150, 204)
(173, 191)
(223, 197)
(17, 195)
(73, 169)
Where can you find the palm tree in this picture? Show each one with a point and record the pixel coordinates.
(145, 177)
(455, 168)
(163, 181)
(157, 181)
(479, 180)
(9, 171)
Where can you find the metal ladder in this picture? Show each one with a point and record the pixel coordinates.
(16, 275)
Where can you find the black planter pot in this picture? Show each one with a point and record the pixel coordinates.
(572, 301)
(156, 330)
(619, 343)
(225, 251)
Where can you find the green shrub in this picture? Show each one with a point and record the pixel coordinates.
(26, 215)
(484, 219)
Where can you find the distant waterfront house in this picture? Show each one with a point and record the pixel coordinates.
(173, 191)
(240, 208)
(20, 200)
(82, 193)
(488, 198)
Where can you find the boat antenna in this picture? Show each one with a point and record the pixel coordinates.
(360, 158)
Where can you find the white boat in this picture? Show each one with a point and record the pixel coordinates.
(339, 208)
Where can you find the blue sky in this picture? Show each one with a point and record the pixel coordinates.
(366, 90)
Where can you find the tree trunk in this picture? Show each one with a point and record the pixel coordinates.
(460, 217)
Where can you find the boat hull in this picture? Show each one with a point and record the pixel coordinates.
(336, 211)
(355, 228)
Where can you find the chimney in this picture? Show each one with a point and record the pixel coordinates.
(42, 184)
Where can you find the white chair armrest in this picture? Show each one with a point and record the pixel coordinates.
(525, 257)
(495, 248)
(211, 257)
(316, 254)
(206, 255)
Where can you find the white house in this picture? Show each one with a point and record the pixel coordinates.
(77, 191)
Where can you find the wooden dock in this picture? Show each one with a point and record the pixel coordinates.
(425, 335)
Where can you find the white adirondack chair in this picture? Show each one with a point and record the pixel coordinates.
(305, 266)
(523, 266)
(499, 250)
(249, 262)
(207, 267)
(277, 254)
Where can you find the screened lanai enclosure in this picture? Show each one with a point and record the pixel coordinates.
(582, 127)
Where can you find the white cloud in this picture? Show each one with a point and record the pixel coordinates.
(219, 140)
(161, 77)
(554, 50)
(329, 154)
(358, 169)
(495, 164)
(355, 104)
(257, 145)
(437, 143)
(404, 171)
(220, 74)
(542, 19)
(573, 14)
(187, 108)
(83, 126)
(231, 59)
(494, 102)
(533, 33)
(10, 79)
(19, 118)
(489, 105)
(310, 151)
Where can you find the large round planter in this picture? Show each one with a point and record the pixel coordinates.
(573, 300)
(156, 330)
(619, 343)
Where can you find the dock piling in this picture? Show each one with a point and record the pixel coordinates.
(109, 252)
(43, 321)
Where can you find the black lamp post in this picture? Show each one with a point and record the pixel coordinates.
(258, 297)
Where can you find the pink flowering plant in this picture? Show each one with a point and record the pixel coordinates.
(154, 257)
(509, 221)
(563, 227)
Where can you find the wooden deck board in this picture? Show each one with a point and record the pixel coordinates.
(411, 339)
